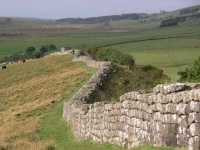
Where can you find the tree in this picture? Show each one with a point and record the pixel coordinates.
(37, 55)
(30, 50)
(191, 74)
(44, 49)
(52, 47)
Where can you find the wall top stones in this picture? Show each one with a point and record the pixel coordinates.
(171, 88)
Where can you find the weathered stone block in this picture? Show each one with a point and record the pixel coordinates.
(140, 114)
(169, 108)
(157, 116)
(194, 129)
(138, 122)
(181, 108)
(156, 127)
(182, 130)
(159, 107)
(146, 116)
(134, 95)
(169, 129)
(156, 89)
(128, 96)
(150, 99)
(158, 140)
(122, 98)
(140, 97)
(186, 97)
(123, 111)
(194, 143)
(123, 118)
(130, 113)
(195, 94)
(153, 107)
(182, 140)
(161, 98)
(194, 118)
(183, 121)
(194, 106)
(174, 119)
(170, 140)
(144, 106)
(125, 104)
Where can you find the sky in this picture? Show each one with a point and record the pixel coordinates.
(57, 9)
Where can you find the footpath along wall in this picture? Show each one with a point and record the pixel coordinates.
(169, 116)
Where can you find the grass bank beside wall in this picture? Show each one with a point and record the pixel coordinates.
(53, 127)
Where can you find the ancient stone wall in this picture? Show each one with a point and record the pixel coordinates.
(169, 116)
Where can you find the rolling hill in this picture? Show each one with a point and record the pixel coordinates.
(132, 16)
(28, 91)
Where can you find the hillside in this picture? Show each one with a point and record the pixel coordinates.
(132, 16)
(7, 20)
(28, 91)
(101, 19)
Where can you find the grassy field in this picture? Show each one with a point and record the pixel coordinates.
(171, 49)
(28, 91)
(170, 55)
(31, 96)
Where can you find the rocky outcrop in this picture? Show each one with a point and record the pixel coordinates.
(169, 116)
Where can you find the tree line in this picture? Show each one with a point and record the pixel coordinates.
(175, 21)
(30, 53)
(188, 11)
(102, 19)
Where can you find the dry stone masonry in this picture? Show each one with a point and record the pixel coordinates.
(169, 116)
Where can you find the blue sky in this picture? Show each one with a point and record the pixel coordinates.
(56, 9)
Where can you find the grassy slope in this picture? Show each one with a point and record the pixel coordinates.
(177, 47)
(31, 102)
(28, 91)
(93, 38)
(170, 55)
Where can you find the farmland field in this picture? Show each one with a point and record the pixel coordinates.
(32, 95)
(170, 55)
(32, 99)
(170, 49)
(28, 91)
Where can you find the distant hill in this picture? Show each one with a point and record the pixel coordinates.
(101, 19)
(163, 15)
(12, 21)
(7, 20)
(182, 16)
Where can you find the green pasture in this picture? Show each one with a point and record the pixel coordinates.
(13, 44)
(170, 49)
(171, 55)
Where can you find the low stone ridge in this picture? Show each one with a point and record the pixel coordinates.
(170, 116)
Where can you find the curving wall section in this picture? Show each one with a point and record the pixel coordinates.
(169, 116)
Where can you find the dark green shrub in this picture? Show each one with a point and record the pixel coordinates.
(191, 74)
(148, 68)
(52, 47)
(30, 50)
(93, 52)
(115, 56)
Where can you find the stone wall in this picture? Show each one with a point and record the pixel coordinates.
(169, 116)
